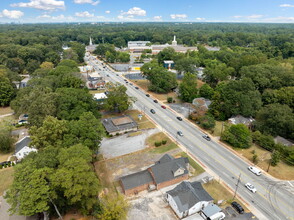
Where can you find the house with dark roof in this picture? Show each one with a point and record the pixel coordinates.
(120, 124)
(22, 148)
(188, 198)
(165, 172)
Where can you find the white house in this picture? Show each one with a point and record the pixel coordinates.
(188, 198)
(212, 212)
(22, 148)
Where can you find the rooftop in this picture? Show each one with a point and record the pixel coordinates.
(283, 141)
(119, 123)
(136, 179)
(24, 142)
(187, 194)
(210, 210)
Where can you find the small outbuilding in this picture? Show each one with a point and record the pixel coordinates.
(120, 124)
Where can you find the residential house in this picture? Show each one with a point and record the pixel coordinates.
(95, 81)
(100, 97)
(165, 172)
(22, 148)
(200, 73)
(212, 212)
(188, 198)
(283, 141)
(120, 124)
(239, 119)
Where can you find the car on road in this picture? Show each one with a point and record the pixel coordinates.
(254, 170)
(131, 84)
(136, 87)
(116, 74)
(155, 101)
(250, 187)
(127, 82)
(164, 107)
(152, 111)
(180, 133)
(179, 118)
(107, 75)
(147, 95)
(238, 207)
(206, 137)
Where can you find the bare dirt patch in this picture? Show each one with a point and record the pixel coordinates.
(5, 110)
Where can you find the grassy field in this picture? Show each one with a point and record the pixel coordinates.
(281, 171)
(219, 192)
(198, 169)
(4, 157)
(6, 179)
(150, 141)
(134, 133)
(5, 110)
(162, 97)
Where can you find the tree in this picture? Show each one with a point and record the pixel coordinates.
(117, 99)
(188, 88)
(275, 159)
(166, 54)
(206, 91)
(70, 54)
(79, 49)
(101, 49)
(7, 92)
(51, 133)
(186, 65)
(238, 136)
(276, 119)
(112, 208)
(47, 65)
(207, 122)
(6, 139)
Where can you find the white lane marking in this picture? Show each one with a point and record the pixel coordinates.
(290, 183)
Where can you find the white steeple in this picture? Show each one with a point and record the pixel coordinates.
(174, 42)
(90, 43)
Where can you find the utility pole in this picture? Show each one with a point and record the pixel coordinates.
(270, 161)
(237, 185)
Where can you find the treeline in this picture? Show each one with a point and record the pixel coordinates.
(108, 52)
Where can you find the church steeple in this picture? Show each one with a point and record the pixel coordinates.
(90, 43)
(174, 42)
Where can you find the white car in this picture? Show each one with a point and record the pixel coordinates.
(254, 170)
(251, 187)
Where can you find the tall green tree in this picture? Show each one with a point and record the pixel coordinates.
(118, 100)
(238, 136)
(7, 92)
(188, 87)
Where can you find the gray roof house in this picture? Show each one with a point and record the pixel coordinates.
(212, 211)
(188, 198)
(165, 172)
(283, 141)
(22, 148)
(239, 119)
(120, 124)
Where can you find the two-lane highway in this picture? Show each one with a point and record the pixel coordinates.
(271, 201)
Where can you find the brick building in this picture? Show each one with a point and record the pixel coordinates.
(165, 172)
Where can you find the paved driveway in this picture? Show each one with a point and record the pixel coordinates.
(121, 145)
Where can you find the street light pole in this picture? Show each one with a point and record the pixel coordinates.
(237, 186)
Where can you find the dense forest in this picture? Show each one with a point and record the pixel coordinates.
(252, 75)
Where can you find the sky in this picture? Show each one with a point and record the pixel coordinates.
(43, 11)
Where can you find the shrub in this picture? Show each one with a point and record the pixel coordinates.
(117, 134)
(170, 99)
(163, 142)
(1, 166)
(157, 144)
(13, 164)
(207, 122)
(276, 156)
(255, 158)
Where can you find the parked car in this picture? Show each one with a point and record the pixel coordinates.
(179, 118)
(238, 207)
(206, 137)
(131, 84)
(136, 87)
(254, 170)
(180, 133)
(147, 95)
(152, 111)
(163, 107)
(155, 101)
(250, 187)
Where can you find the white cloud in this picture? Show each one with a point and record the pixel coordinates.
(279, 19)
(13, 14)
(58, 18)
(287, 6)
(41, 4)
(200, 19)
(84, 14)
(135, 11)
(87, 2)
(178, 16)
(157, 18)
(254, 16)
(237, 16)
(107, 12)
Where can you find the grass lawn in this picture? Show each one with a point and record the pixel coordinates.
(6, 178)
(144, 83)
(198, 169)
(4, 157)
(134, 133)
(281, 171)
(96, 91)
(217, 129)
(163, 148)
(219, 192)
(5, 110)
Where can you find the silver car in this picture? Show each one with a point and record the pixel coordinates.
(250, 187)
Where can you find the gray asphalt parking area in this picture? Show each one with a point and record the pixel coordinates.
(121, 145)
(232, 214)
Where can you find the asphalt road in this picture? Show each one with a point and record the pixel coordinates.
(274, 199)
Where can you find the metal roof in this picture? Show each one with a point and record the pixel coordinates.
(22, 143)
(136, 179)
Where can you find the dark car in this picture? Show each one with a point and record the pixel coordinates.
(131, 84)
(238, 207)
(179, 118)
(155, 101)
(147, 95)
(206, 137)
(136, 87)
(180, 133)
(152, 111)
